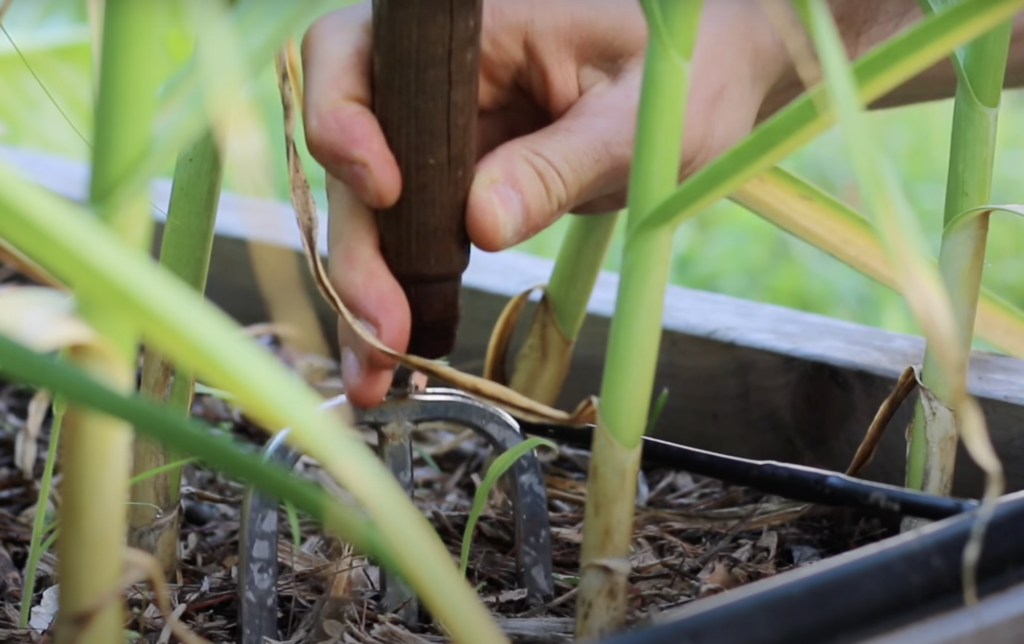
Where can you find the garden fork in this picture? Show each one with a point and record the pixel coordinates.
(426, 59)
(257, 578)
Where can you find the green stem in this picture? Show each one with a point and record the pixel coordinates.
(97, 454)
(962, 254)
(39, 526)
(635, 333)
(185, 251)
(580, 259)
(628, 380)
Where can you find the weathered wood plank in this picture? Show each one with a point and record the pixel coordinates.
(745, 378)
(997, 619)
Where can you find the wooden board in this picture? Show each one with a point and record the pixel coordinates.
(744, 378)
(997, 619)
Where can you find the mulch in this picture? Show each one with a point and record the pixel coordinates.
(693, 537)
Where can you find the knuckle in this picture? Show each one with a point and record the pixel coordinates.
(554, 178)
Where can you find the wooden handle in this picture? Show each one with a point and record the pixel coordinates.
(426, 60)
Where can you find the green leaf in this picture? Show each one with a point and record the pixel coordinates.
(877, 73)
(240, 42)
(188, 436)
(427, 458)
(967, 216)
(900, 228)
(201, 338)
(47, 102)
(293, 523)
(957, 57)
(500, 465)
(659, 406)
(148, 474)
(211, 391)
(809, 213)
(37, 547)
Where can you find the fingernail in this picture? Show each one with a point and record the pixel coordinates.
(509, 207)
(351, 368)
(357, 176)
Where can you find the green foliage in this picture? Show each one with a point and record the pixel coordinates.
(656, 409)
(719, 250)
(188, 436)
(498, 467)
(37, 547)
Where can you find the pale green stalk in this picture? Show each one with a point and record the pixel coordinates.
(962, 255)
(628, 381)
(97, 449)
(185, 251)
(635, 334)
(921, 283)
(580, 259)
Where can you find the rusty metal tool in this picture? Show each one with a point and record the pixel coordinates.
(257, 576)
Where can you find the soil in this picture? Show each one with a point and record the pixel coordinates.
(693, 537)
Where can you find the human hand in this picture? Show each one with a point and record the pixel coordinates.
(560, 82)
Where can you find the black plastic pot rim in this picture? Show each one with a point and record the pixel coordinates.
(855, 595)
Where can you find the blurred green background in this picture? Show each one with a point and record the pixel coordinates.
(726, 249)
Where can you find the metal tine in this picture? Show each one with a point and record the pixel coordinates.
(394, 446)
(526, 482)
(257, 570)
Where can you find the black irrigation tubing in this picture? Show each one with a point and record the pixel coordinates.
(796, 482)
(858, 595)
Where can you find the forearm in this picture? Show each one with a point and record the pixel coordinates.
(865, 24)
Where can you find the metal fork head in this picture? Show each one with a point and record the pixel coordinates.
(257, 586)
(526, 483)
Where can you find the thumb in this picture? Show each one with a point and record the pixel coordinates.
(524, 185)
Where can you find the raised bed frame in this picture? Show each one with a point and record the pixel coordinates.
(745, 378)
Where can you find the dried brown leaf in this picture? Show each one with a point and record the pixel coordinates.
(10, 579)
(501, 336)
(42, 319)
(306, 213)
(905, 384)
(25, 445)
(543, 362)
(938, 480)
(719, 579)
